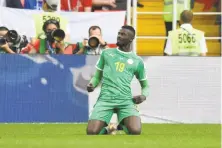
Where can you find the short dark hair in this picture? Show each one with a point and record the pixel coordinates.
(129, 28)
(186, 16)
(3, 28)
(94, 28)
(50, 21)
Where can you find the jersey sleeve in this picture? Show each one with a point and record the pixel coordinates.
(141, 71)
(101, 62)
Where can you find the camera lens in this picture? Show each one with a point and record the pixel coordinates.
(93, 42)
(58, 35)
(2, 41)
(12, 36)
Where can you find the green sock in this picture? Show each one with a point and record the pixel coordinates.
(103, 131)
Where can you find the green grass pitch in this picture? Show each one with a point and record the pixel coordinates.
(73, 136)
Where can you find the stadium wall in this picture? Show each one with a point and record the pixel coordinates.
(41, 89)
(44, 88)
(182, 90)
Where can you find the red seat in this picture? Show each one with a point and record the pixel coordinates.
(208, 3)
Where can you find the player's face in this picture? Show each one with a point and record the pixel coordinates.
(51, 27)
(124, 37)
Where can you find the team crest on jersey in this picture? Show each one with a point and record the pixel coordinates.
(130, 61)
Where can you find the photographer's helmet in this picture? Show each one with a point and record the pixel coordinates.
(53, 4)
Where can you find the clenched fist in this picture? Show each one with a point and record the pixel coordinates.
(90, 87)
(139, 99)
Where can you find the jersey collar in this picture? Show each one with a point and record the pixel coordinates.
(123, 51)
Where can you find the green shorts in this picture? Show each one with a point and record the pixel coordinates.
(104, 110)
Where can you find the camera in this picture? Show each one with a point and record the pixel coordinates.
(15, 40)
(93, 42)
(56, 35)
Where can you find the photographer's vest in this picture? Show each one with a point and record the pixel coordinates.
(40, 18)
(186, 42)
(168, 7)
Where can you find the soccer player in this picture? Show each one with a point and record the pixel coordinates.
(116, 68)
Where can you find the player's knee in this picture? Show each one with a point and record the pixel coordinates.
(92, 131)
(134, 130)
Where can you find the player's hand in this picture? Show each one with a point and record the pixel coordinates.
(139, 99)
(90, 87)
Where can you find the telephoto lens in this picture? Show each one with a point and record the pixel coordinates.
(13, 37)
(93, 42)
(58, 35)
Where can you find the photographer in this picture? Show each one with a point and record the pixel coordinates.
(11, 41)
(94, 45)
(51, 41)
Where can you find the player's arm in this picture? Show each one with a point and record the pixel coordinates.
(145, 92)
(141, 76)
(96, 79)
(94, 82)
(145, 88)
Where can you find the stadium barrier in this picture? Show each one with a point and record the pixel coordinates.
(52, 88)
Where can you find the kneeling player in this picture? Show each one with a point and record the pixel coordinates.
(116, 68)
